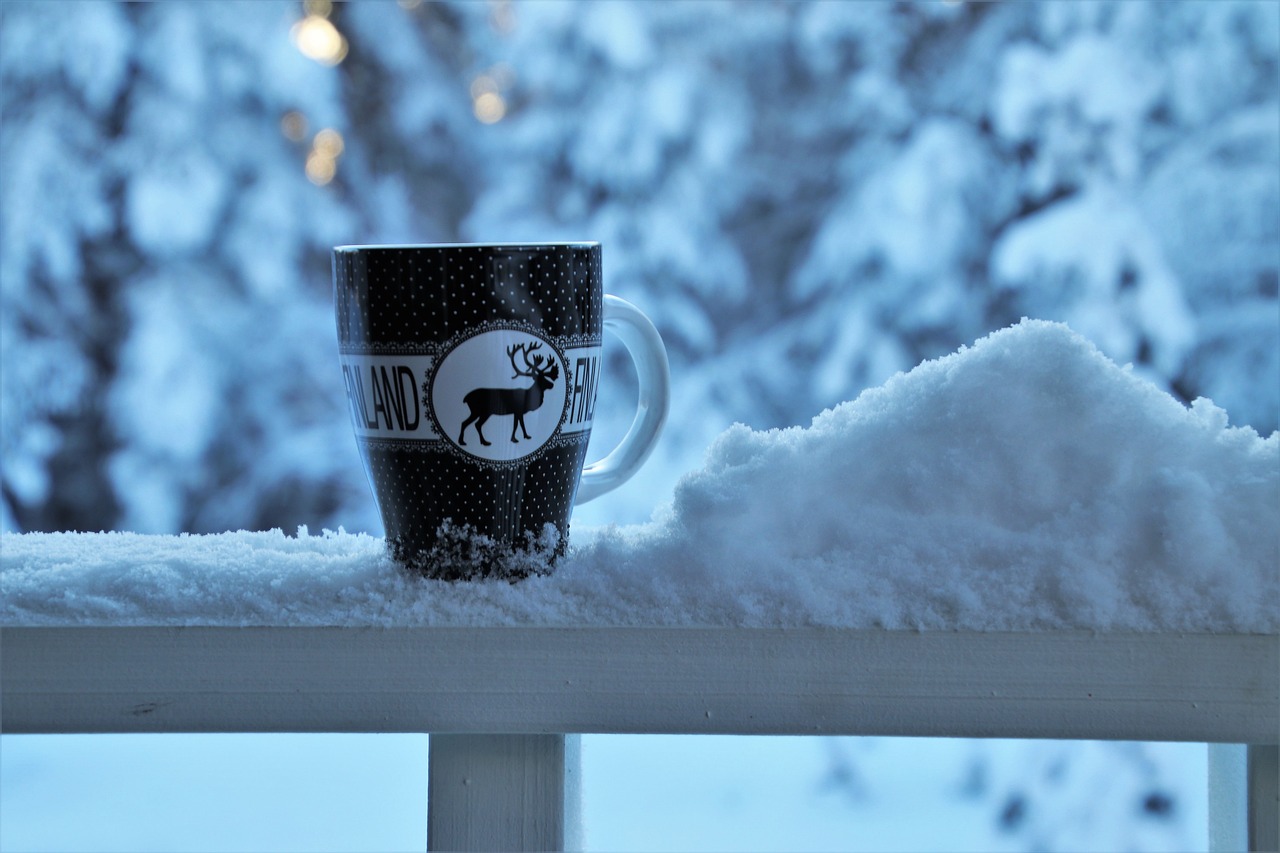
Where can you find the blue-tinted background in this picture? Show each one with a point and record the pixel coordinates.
(805, 197)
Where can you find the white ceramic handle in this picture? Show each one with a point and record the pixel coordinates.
(650, 356)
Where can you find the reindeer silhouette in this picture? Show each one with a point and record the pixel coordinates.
(484, 403)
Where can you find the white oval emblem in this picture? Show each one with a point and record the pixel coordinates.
(499, 395)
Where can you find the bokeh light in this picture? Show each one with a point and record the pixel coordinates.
(487, 100)
(322, 160)
(293, 125)
(328, 143)
(489, 107)
(317, 38)
(320, 169)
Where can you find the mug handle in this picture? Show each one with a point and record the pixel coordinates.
(650, 357)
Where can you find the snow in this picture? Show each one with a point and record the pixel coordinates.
(365, 792)
(94, 54)
(1094, 246)
(916, 217)
(877, 794)
(1035, 81)
(620, 33)
(175, 208)
(1024, 483)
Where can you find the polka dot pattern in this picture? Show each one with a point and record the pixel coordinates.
(417, 492)
(406, 299)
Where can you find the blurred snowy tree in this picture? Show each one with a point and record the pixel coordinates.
(1154, 131)
(63, 251)
(172, 192)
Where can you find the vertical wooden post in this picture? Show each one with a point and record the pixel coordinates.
(500, 792)
(1244, 786)
(1264, 797)
(1228, 798)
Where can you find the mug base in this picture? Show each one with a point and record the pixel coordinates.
(461, 553)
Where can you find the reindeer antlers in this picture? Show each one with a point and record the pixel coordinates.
(531, 367)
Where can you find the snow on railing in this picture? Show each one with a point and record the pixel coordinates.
(1018, 540)
(1025, 483)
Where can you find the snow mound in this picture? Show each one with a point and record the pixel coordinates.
(1024, 483)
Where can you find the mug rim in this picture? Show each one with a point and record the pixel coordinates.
(566, 244)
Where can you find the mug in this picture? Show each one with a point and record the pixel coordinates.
(471, 372)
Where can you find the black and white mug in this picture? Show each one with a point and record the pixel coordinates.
(472, 371)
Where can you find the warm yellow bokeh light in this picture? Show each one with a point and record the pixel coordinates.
(293, 125)
(320, 169)
(329, 143)
(489, 107)
(319, 39)
(486, 92)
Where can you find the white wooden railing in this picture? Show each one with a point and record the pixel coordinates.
(499, 701)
